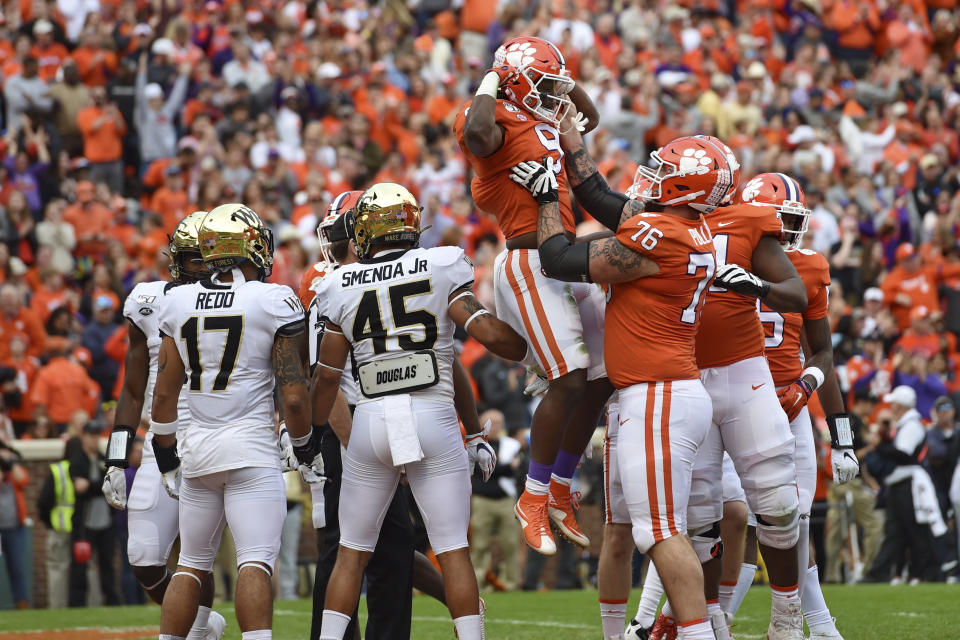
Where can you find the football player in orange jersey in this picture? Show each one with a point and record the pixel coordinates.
(328, 233)
(659, 263)
(751, 426)
(514, 117)
(787, 337)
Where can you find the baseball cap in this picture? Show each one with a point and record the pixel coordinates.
(17, 266)
(919, 312)
(162, 47)
(94, 427)
(103, 302)
(153, 90)
(929, 160)
(943, 402)
(142, 29)
(173, 170)
(905, 251)
(42, 26)
(873, 294)
(903, 395)
(756, 70)
(803, 133)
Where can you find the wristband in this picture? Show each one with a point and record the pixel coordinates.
(490, 85)
(167, 459)
(807, 389)
(816, 374)
(119, 445)
(476, 314)
(841, 433)
(302, 440)
(164, 428)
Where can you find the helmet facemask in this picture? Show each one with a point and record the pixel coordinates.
(794, 220)
(548, 99)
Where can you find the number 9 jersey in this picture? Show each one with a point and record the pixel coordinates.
(524, 138)
(225, 334)
(397, 303)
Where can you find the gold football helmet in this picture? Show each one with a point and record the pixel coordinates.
(385, 214)
(184, 249)
(232, 233)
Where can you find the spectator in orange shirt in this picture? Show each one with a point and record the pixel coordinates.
(91, 222)
(51, 294)
(920, 337)
(171, 200)
(153, 241)
(61, 388)
(910, 35)
(49, 54)
(606, 41)
(910, 284)
(17, 399)
(15, 318)
(94, 63)
(856, 24)
(441, 108)
(103, 128)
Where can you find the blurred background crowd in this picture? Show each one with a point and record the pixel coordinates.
(122, 116)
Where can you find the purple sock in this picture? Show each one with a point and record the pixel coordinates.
(539, 472)
(566, 464)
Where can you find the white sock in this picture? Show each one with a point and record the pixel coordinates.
(613, 617)
(803, 550)
(536, 487)
(747, 571)
(333, 625)
(168, 636)
(564, 481)
(726, 594)
(811, 600)
(649, 598)
(468, 627)
(695, 630)
(259, 634)
(784, 598)
(713, 606)
(199, 628)
(667, 609)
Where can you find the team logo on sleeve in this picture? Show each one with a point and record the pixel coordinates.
(143, 299)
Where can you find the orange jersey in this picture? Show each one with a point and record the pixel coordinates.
(524, 138)
(782, 330)
(651, 323)
(731, 330)
(310, 280)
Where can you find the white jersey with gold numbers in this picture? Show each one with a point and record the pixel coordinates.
(393, 306)
(225, 334)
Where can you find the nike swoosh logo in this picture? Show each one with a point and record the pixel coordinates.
(724, 224)
(757, 386)
(623, 422)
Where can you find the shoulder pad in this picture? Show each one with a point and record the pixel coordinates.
(446, 256)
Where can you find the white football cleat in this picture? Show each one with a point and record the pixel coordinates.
(721, 626)
(635, 631)
(786, 623)
(825, 631)
(216, 625)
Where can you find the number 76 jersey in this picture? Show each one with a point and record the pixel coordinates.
(225, 334)
(651, 323)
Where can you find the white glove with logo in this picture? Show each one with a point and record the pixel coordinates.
(739, 280)
(481, 454)
(171, 482)
(115, 488)
(845, 465)
(537, 383)
(539, 180)
(288, 459)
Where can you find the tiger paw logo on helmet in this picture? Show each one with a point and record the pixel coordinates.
(694, 161)
(751, 190)
(520, 54)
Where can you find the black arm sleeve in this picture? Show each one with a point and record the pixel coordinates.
(600, 201)
(167, 458)
(563, 260)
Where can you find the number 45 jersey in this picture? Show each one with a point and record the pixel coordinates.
(395, 304)
(524, 138)
(225, 334)
(651, 323)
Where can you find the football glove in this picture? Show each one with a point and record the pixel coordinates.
(794, 397)
(505, 72)
(115, 488)
(539, 180)
(171, 482)
(739, 280)
(580, 122)
(308, 455)
(481, 454)
(537, 383)
(288, 459)
(842, 459)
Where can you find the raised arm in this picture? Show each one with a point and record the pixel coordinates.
(496, 335)
(586, 108)
(481, 133)
(604, 260)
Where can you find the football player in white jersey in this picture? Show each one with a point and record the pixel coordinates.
(229, 339)
(153, 519)
(394, 313)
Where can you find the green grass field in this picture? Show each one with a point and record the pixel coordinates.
(870, 612)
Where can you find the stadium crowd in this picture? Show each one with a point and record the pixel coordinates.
(121, 117)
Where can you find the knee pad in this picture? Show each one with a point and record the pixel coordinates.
(706, 542)
(779, 532)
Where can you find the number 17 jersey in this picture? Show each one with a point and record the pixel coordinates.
(225, 334)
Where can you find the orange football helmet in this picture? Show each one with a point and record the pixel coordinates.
(540, 81)
(783, 192)
(343, 204)
(699, 171)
